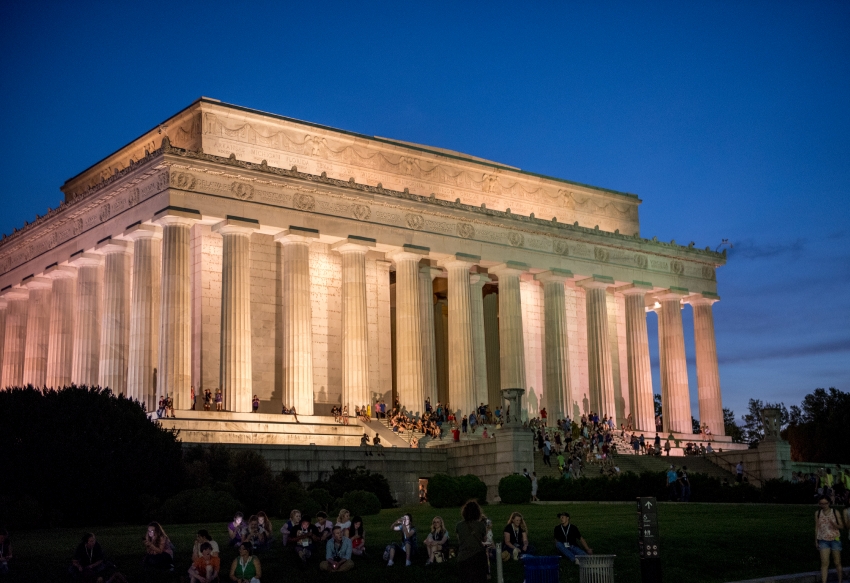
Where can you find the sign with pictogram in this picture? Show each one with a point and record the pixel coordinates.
(648, 542)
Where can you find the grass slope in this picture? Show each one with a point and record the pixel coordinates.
(700, 542)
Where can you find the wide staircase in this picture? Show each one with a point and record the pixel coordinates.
(425, 441)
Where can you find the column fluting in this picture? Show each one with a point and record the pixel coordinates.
(115, 321)
(600, 374)
(14, 345)
(461, 352)
(174, 373)
(235, 368)
(708, 374)
(491, 339)
(429, 346)
(441, 346)
(38, 331)
(637, 350)
(677, 410)
(60, 352)
(558, 387)
(297, 320)
(86, 361)
(511, 343)
(143, 358)
(3, 308)
(477, 281)
(409, 377)
(355, 329)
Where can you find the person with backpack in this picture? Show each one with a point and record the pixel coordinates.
(684, 484)
(828, 526)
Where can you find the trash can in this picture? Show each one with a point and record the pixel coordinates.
(541, 569)
(596, 568)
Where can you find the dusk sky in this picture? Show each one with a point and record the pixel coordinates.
(730, 120)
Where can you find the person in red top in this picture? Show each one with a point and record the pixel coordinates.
(206, 567)
(455, 434)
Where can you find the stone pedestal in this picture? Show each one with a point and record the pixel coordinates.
(175, 341)
(86, 361)
(60, 352)
(409, 378)
(429, 346)
(297, 319)
(637, 350)
(38, 331)
(145, 300)
(235, 372)
(461, 352)
(511, 343)
(14, 344)
(708, 374)
(558, 389)
(355, 336)
(600, 374)
(115, 322)
(676, 406)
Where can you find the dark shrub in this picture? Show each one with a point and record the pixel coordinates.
(470, 487)
(324, 499)
(443, 492)
(515, 489)
(199, 505)
(343, 480)
(360, 503)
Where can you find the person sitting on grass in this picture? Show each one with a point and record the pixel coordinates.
(324, 527)
(203, 537)
(343, 520)
(515, 542)
(255, 535)
(5, 551)
(236, 529)
(408, 540)
(205, 568)
(88, 561)
(290, 527)
(159, 552)
(358, 537)
(305, 536)
(568, 538)
(337, 553)
(246, 567)
(436, 541)
(265, 525)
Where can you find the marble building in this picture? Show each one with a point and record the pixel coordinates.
(235, 249)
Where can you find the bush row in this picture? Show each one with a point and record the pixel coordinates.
(450, 492)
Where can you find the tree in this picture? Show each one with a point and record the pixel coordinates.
(656, 400)
(753, 430)
(731, 428)
(817, 430)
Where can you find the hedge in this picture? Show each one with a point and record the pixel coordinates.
(449, 492)
(515, 489)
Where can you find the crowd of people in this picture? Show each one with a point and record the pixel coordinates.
(832, 483)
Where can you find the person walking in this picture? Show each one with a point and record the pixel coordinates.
(739, 472)
(471, 535)
(672, 480)
(547, 452)
(684, 484)
(534, 486)
(828, 525)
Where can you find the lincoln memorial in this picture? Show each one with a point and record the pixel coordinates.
(233, 249)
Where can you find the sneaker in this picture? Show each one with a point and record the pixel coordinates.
(389, 563)
(407, 564)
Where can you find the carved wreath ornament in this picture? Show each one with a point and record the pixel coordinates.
(242, 191)
(516, 239)
(362, 212)
(601, 254)
(184, 181)
(304, 202)
(641, 261)
(415, 221)
(466, 230)
(561, 248)
(677, 267)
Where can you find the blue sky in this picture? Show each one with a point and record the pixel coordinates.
(730, 120)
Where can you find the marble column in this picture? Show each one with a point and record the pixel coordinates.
(3, 307)
(144, 314)
(677, 408)
(235, 372)
(429, 346)
(409, 377)
(174, 373)
(461, 352)
(511, 344)
(556, 349)
(15, 341)
(115, 319)
(662, 369)
(86, 360)
(355, 329)
(491, 340)
(297, 319)
(477, 281)
(708, 374)
(441, 344)
(60, 352)
(637, 350)
(600, 375)
(38, 331)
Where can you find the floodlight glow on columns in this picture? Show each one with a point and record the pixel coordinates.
(558, 388)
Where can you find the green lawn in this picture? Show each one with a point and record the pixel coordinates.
(700, 542)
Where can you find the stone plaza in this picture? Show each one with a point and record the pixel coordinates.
(233, 249)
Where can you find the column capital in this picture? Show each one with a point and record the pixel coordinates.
(236, 226)
(479, 279)
(37, 283)
(354, 244)
(555, 275)
(432, 272)
(459, 260)
(3, 303)
(56, 271)
(408, 252)
(596, 282)
(509, 268)
(15, 293)
(672, 293)
(108, 246)
(176, 215)
(142, 231)
(296, 235)
(81, 259)
(702, 299)
(635, 288)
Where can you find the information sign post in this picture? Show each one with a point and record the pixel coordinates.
(650, 561)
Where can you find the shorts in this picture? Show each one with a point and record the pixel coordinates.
(829, 545)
